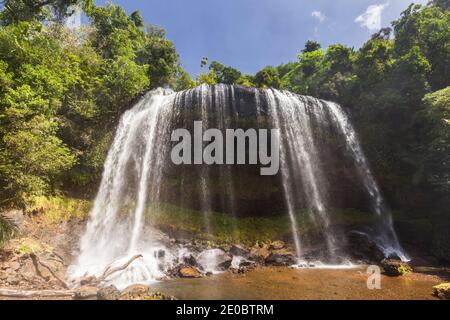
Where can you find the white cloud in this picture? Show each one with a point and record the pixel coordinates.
(318, 15)
(371, 19)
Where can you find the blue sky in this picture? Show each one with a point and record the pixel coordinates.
(250, 34)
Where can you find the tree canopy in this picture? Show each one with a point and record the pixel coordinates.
(62, 92)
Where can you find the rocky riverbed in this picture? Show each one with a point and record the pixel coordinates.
(37, 258)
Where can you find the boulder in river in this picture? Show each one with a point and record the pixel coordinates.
(244, 267)
(395, 268)
(189, 272)
(280, 258)
(362, 247)
(190, 261)
(226, 263)
(442, 291)
(259, 253)
(240, 251)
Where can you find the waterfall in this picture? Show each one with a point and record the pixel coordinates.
(139, 176)
(387, 238)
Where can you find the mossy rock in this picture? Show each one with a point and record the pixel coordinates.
(395, 268)
(442, 291)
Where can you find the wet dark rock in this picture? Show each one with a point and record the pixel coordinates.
(244, 267)
(240, 251)
(427, 261)
(280, 258)
(225, 261)
(441, 241)
(108, 293)
(426, 238)
(362, 247)
(395, 268)
(246, 264)
(190, 261)
(160, 254)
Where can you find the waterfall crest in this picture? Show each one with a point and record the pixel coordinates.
(138, 176)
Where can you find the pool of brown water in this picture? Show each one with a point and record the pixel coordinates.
(302, 284)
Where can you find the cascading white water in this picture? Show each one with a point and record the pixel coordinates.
(135, 170)
(387, 238)
(116, 224)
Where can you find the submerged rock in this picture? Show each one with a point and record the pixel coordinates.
(395, 268)
(442, 291)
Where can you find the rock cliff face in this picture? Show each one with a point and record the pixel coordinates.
(240, 189)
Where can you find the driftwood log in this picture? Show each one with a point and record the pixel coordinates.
(68, 293)
(37, 294)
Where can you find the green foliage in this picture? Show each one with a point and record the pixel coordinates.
(443, 4)
(437, 118)
(35, 10)
(311, 46)
(184, 81)
(204, 62)
(223, 228)
(426, 29)
(207, 78)
(246, 81)
(383, 84)
(268, 78)
(59, 209)
(62, 93)
(37, 74)
(226, 75)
